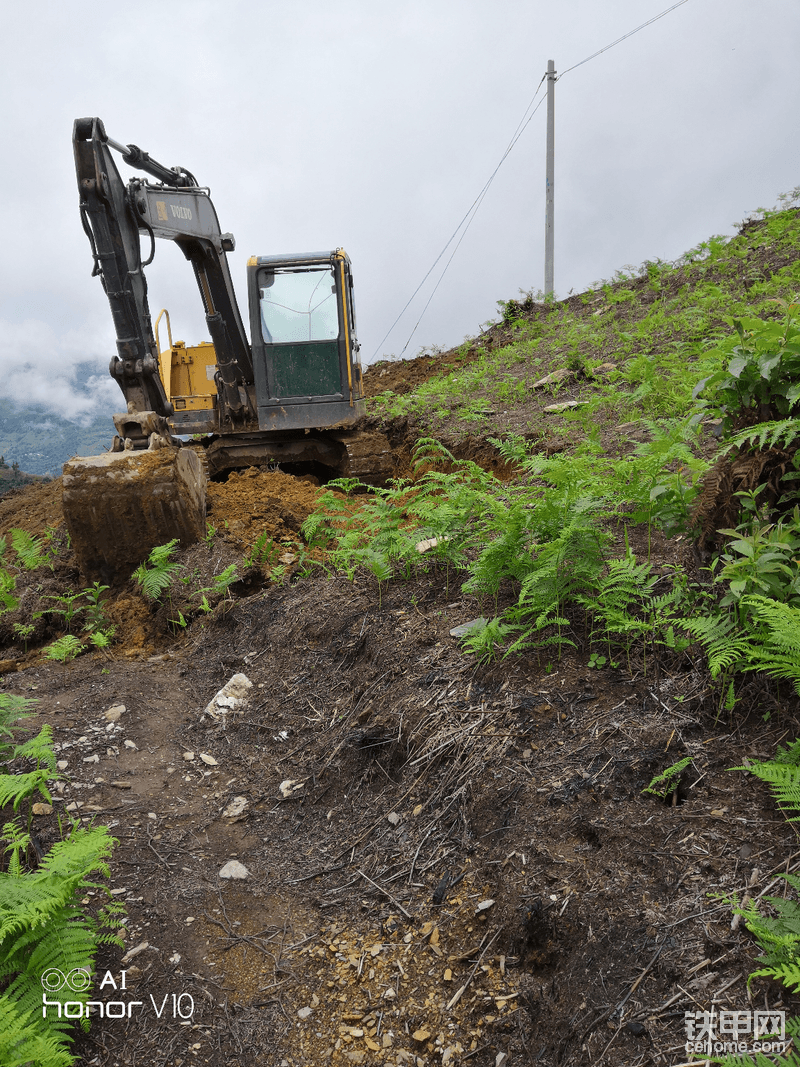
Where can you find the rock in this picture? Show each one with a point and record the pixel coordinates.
(232, 697)
(604, 368)
(635, 1028)
(132, 744)
(304, 1013)
(421, 1035)
(448, 975)
(234, 869)
(235, 807)
(91, 759)
(393, 818)
(62, 764)
(120, 785)
(566, 405)
(289, 786)
(484, 905)
(175, 957)
(74, 805)
(466, 627)
(552, 379)
(113, 714)
(42, 809)
(188, 756)
(135, 951)
(417, 810)
(208, 760)
(152, 815)
(429, 543)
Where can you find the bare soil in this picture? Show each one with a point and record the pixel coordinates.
(447, 863)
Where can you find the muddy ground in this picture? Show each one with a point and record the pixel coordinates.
(445, 863)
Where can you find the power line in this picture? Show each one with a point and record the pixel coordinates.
(473, 208)
(470, 212)
(474, 211)
(624, 37)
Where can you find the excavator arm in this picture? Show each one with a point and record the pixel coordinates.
(115, 215)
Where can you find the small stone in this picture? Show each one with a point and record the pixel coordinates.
(232, 697)
(234, 869)
(389, 994)
(304, 1013)
(132, 744)
(566, 405)
(135, 951)
(188, 756)
(636, 1028)
(91, 759)
(74, 805)
(42, 809)
(175, 957)
(484, 905)
(393, 818)
(152, 815)
(115, 713)
(466, 627)
(372, 1045)
(289, 786)
(235, 807)
(417, 810)
(208, 760)
(556, 376)
(120, 785)
(421, 1035)
(62, 764)
(189, 919)
(448, 975)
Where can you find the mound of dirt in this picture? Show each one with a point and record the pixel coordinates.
(254, 501)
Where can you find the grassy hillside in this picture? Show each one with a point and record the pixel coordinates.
(636, 345)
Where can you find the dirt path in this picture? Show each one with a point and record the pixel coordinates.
(381, 791)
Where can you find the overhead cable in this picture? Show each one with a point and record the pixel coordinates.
(624, 37)
(526, 118)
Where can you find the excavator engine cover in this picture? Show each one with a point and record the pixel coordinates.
(120, 505)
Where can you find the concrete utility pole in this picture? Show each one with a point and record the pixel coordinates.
(549, 244)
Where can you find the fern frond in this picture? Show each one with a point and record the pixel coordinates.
(14, 788)
(765, 435)
(39, 748)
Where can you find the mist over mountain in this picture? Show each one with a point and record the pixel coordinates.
(41, 439)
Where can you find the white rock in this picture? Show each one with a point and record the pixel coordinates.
(232, 697)
(484, 905)
(209, 760)
(304, 1013)
(393, 818)
(235, 807)
(289, 786)
(62, 764)
(91, 759)
(188, 756)
(175, 958)
(234, 869)
(114, 713)
(132, 744)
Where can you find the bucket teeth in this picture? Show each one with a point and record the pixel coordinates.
(120, 505)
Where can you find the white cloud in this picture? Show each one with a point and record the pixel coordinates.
(39, 366)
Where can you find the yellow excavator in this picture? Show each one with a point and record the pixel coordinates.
(293, 398)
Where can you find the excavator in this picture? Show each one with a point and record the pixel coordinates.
(293, 398)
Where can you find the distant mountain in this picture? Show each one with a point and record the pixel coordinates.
(40, 441)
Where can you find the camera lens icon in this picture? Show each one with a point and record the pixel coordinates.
(78, 979)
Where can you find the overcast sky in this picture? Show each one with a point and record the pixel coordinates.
(373, 126)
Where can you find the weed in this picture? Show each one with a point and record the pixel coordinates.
(664, 784)
(154, 576)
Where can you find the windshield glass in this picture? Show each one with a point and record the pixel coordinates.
(298, 306)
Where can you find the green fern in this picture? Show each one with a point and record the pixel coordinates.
(667, 782)
(765, 435)
(155, 575)
(30, 550)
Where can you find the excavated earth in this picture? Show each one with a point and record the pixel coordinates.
(445, 863)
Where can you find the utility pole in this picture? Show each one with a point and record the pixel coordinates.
(549, 244)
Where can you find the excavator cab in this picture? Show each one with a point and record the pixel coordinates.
(306, 368)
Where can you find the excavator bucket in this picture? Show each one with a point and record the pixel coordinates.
(120, 505)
